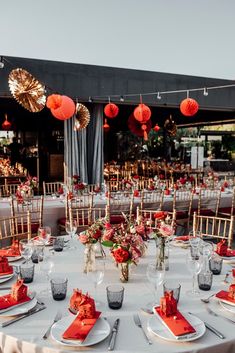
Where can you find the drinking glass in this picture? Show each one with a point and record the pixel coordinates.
(26, 249)
(155, 275)
(96, 277)
(71, 229)
(44, 234)
(194, 265)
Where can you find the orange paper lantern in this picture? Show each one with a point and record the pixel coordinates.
(142, 113)
(54, 101)
(189, 107)
(65, 110)
(111, 110)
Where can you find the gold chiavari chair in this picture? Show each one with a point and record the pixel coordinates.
(152, 199)
(114, 185)
(208, 202)
(212, 227)
(11, 189)
(143, 214)
(34, 206)
(15, 228)
(182, 203)
(85, 217)
(3, 192)
(119, 203)
(229, 210)
(52, 187)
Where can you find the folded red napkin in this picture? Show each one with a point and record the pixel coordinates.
(229, 253)
(6, 301)
(183, 238)
(177, 323)
(9, 252)
(80, 328)
(7, 272)
(224, 295)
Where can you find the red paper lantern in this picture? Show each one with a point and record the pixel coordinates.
(106, 126)
(189, 107)
(156, 128)
(54, 101)
(142, 113)
(66, 109)
(136, 128)
(6, 125)
(111, 110)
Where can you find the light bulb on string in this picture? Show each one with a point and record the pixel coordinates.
(205, 92)
(122, 99)
(1, 62)
(159, 96)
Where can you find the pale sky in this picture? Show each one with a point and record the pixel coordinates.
(193, 37)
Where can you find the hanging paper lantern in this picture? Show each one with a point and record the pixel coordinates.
(189, 107)
(156, 128)
(54, 101)
(65, 110)
(136, 128)
(106, 126)
(142, 113)
(6, 125)
(111, 110)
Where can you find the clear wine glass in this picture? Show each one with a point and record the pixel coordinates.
(96, 277)
(194, 265)
(44, 234)
(46, 268)
(26, 249)
(71, 229)
(155, 275)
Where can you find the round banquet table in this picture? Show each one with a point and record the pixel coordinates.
(26, 335)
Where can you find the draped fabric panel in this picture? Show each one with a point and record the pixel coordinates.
(83, 150)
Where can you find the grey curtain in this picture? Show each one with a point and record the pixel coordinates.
(83, 150)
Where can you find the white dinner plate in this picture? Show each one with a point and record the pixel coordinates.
(6, 276)
(228, 258)
(5, 279)
(227, 302)
(99, 332)
(14, 258)
(19, 309)
(228, 306)
(156, 326)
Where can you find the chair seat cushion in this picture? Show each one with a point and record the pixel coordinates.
(61, 221)
(116, 219)
(34, 228)
(227, 210)
(181, 215)
(207, 212)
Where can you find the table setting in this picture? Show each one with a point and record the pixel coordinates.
(144, 313)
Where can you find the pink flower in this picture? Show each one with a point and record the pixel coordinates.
(166, 230)
(140, 229)
(83, 238)
(108, 234)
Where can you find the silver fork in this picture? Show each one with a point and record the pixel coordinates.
(57, 318)
(207, 300)
(139, 324)
(226, 278)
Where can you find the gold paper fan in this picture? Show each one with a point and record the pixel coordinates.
(82, 117)
(28, 91)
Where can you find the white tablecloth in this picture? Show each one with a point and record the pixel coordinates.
(26, 335)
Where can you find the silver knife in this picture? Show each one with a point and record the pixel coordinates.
(113, 335)
(212, 329)
(31, 312)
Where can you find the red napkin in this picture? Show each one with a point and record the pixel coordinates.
(9, 252)
(177, 324)
(183, 238)
(7, 273)
(224, 295)
(6, 301)
(80, 328)
(230, 253)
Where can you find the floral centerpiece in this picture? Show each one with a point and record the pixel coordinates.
(90, 237)
(78, 186)
(162, 231)
(26, 189)
(126, 245)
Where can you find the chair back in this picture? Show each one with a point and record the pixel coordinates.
(118, 203)
(15, 228)
(152, 199)
(209, 200)
(214, 227)
(11, 189)
(51, 188)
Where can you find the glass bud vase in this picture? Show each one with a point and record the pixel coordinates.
(162, 253)
(124, 275)
(205, 276)
(89, 258)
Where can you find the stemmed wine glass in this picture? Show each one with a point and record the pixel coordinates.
(96, 277)
(71, 229)
(194, 265)
(155, 275)
(46, 268)
(26, 249)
